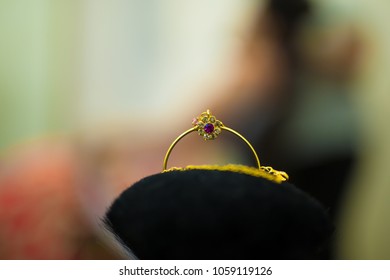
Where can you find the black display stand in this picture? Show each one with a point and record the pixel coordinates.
(201, 214)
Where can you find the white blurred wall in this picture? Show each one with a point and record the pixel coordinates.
(77, 64)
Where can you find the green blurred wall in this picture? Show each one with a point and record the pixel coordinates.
(38, 67)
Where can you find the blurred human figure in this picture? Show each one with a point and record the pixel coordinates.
(289, 91)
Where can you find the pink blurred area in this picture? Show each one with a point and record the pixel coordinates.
(42, 215)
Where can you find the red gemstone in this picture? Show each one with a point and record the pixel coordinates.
(209, 128)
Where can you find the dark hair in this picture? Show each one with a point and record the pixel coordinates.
(288, 15)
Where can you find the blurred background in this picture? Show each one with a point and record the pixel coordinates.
(93, 92)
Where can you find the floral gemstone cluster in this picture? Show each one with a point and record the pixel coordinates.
(207, 126)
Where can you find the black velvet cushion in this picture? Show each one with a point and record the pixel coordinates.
(200, 214)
